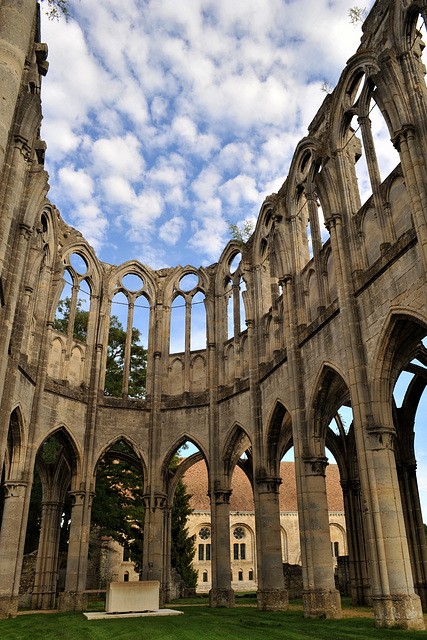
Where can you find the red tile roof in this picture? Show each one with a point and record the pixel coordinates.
(241, 499)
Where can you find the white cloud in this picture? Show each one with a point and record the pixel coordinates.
(171, 230)
(120, 155)
(79, 185)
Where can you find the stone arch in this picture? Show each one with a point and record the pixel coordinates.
(71, 447)
(329, 394)
(396, 347)
(172, 449)
(139, 460)
(279, 437)
(236, 443)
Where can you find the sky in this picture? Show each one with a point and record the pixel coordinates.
(167, 119)
(164, 120)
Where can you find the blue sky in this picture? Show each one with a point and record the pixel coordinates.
(165, 119)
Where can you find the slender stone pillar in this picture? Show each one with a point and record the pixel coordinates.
(13, 510)
(74, 598)
(359, 580)
(47, 557)
(221, 594)
(320, 597)
(271, 595)
(154, 533)
(407, 475)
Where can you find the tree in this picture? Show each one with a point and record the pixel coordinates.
(241, 234)
(357, 14)
(57, 8)
(183, 546)
(117, 509)
(115, 350)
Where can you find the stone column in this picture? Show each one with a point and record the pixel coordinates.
(47, 557)
(74, 598)
(359, 579)
(221, 594)
(271, 595)
(154, 533)
(412, 514)
(10, 562)
(320, 597)
(394, 598)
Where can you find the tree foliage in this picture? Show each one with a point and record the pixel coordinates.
(357, 14)
(242, 233)
(55, 9)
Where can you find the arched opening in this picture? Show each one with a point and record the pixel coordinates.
(117, 518)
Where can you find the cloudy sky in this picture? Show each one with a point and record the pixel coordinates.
(165, 119)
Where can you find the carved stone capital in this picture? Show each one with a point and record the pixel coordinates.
(222, 496)
(268, 484)
(315, 465)
(14, 488)
(380, 438)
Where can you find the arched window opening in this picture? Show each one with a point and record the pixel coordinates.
(139, 345)
(242, 288)
(62, 315)
(73, 307)
(198, 322)
(177, 325)
(114, 372)
(78, 263)
(230, 310)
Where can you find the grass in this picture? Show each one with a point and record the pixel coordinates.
(199, 621)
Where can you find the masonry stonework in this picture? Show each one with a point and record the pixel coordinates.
(329, 322)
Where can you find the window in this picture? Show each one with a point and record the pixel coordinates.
(204, 533)
(208, 552)
(336, 549)
(126, 577)
(201, 551)
(239, 551)
(205, 576)
(251, 574)
(240, 575)
(239, 533)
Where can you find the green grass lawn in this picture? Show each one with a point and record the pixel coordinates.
(199, 622)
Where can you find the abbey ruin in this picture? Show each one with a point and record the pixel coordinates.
(329, 322)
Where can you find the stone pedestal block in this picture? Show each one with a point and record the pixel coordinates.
(72, 601)
(221, 598)
(398, 611)
(8, 607)
(321, 604)
(125, 597)
(272, 599)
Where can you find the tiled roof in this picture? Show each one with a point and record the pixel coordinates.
(196, 479)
